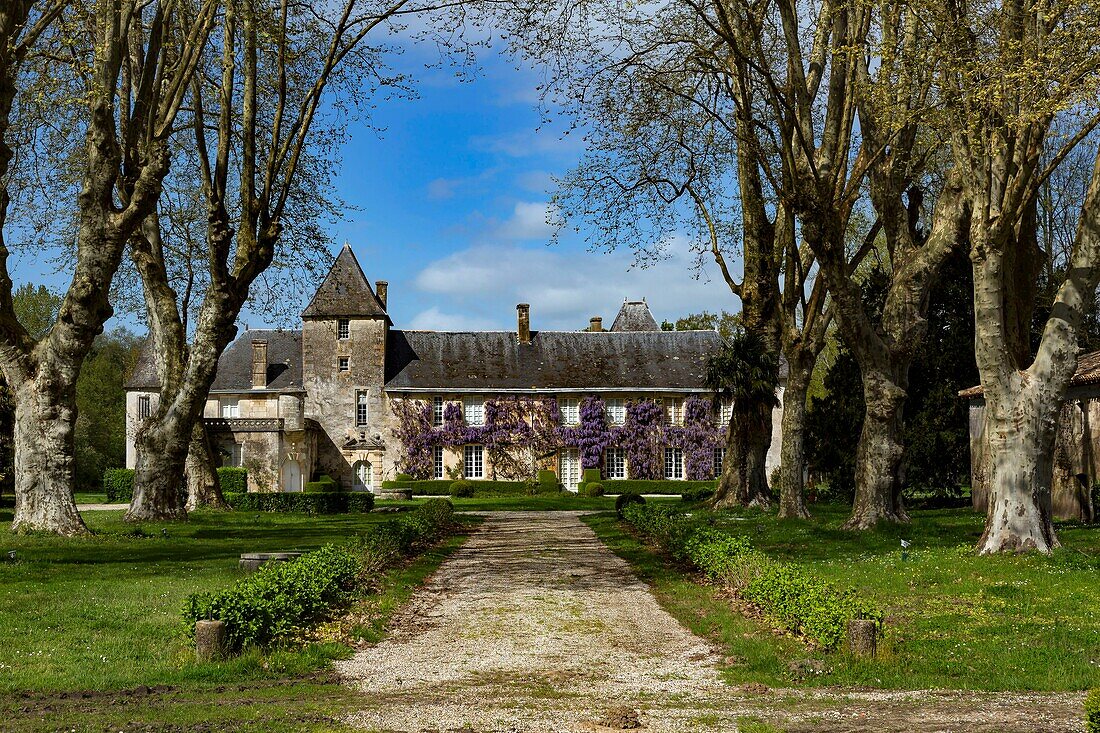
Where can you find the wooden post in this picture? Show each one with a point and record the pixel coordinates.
(210, 641)
(861, 637)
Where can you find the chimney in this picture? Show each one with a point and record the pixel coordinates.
(381, 289)
(524, 325)
(595, 323)
(259, 363)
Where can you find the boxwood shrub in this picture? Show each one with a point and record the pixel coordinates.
(800, 601)
(119, 484)
(462, 489)
(622, 500)
(657, 486)
(324, 483)
(593, 489)
(442, 487)
(280, 598)
(233, 479)
(326, 502)
(1092, 711)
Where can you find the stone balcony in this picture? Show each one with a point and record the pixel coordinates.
(244, 424)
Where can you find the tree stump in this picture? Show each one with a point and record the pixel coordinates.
(210, 643)
(861, 637)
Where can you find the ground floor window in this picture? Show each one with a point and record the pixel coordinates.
(364, 476)
(437, 462)
(234, 455)
(570, 468)
(719, 458)
(614, 462)
(674, 464)
(474, 460)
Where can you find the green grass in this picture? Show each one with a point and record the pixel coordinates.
(955, 620)
(82, 620)
(564, 501)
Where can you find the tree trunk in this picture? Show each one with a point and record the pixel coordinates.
(45, 418)
(744, 480)
(203, 487)
(879, 478)
(792, 466)
(1020, 431)
(158, 476)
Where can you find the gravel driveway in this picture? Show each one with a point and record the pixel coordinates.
(534, 625)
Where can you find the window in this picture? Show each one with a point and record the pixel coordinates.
(570, 468)
(725, 412)
(614, 462)
(343, 329)
(616, 411)
(437, 411)
(364, 476)
(343, 363)
(474, 459)
(145, 408)
(674, 464)
(474, 411)
(231, 407)
(362, 412)
(570, 409)
(235, 457)
(673, 410)
(437, 462)
(719, 458)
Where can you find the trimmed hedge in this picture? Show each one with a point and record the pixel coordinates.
(1092, 711)
(593, 489)
(442, 487)
(462, 489)
(622, 500)
(656, 486)
(119, 484)
(546, 476)
(326, 502)
(803, 603)
(280, 598)
(324, 483)
(233, 479)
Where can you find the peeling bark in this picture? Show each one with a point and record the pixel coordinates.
(744, 481)
(792, 488)
(879, 476)
(203, 488)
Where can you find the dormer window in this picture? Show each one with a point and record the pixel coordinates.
(343, 329)
(343, 363)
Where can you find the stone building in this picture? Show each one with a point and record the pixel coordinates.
(1076, 446)
(292, 405)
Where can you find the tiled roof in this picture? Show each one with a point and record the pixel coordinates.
(344, 292)
(635, 316)
(1088, 372)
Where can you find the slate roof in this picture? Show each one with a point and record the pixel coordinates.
(1088, 372)
(284, 363)
(344, 291)
(563, 360)
(635, 316)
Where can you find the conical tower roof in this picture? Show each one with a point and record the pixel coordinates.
(635, 316)
(345, 292)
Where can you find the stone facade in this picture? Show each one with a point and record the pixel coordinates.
(293, 405)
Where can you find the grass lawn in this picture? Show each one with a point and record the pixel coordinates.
(86, 625)
(564, 501)
(955, 620)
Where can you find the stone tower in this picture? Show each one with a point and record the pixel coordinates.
(344, 332)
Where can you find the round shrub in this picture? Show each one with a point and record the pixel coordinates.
(593, 489)
(625, 499)
(462, 489)
(404, 477)
(694, 496)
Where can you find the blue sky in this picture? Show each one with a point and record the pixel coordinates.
(450, 207)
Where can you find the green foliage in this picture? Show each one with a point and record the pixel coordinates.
(280, 598)
(324, 483)
(442, 487)
(725, 323)
(119, 484)
(327, 502)
(100, 432)
(36, 308)
(233, 479)
(462, 489)
(546, 476)
(404, 477)
(694, 496)
(622, 500)
(744, 370)
(593, 489)
(801, 602)
(656, 486)
(1092, 711)
(590, 474)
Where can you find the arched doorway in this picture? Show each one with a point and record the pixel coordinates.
(364, 476)
(292, 476)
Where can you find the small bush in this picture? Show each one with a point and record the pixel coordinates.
(622, 500)
(119, 484)
(328, 502)
(1092, 711)
(404, 477)
(593, 489)
(694, 496)
(591, 475)
(547, 477)
(462, 489)
(233, 479)
(324, 483)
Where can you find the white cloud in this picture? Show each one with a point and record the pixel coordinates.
(529, 220)
(434, 319)
(526, 143)
(536, 181)
(564, 286)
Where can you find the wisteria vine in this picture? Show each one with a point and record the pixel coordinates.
(514, 427)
